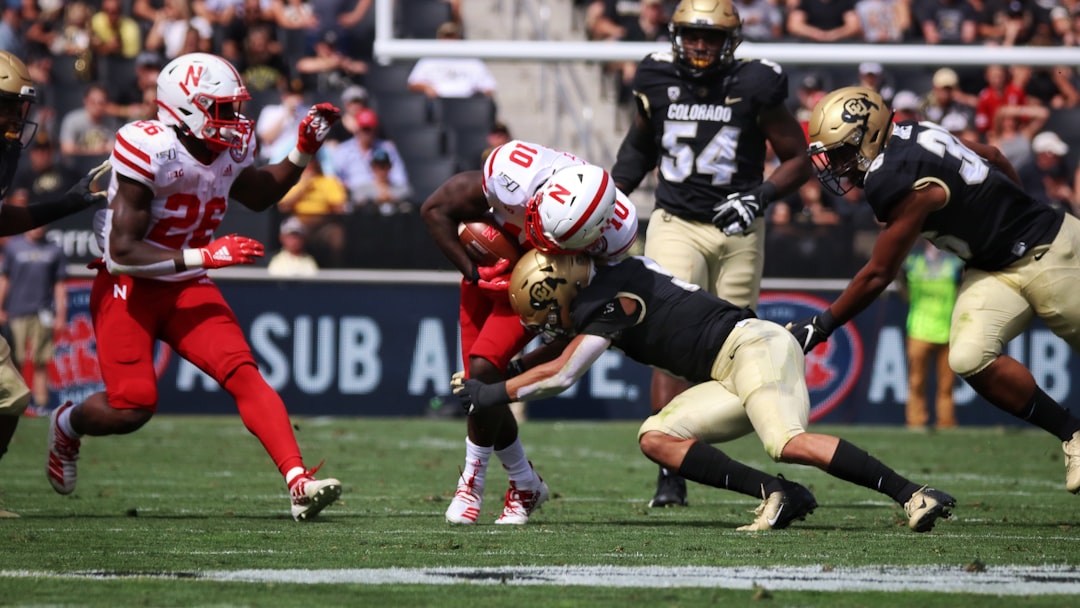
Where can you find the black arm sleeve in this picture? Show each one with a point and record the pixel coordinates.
(637, 155)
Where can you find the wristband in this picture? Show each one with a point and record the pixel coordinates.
(767, 191)
(193, 258)
(826, 321)
(298, 158)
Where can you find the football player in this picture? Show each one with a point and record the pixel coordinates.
(964, 197)
(17, 97)
(704, 118)
(551, 200)
(749, 374)
(172, 178)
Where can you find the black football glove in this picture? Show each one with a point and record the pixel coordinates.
(476, 395)
(812, 331)
(80, 194)
(740, 209)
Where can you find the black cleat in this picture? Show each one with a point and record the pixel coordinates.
(670, 490)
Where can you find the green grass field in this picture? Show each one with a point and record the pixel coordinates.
(189, 511)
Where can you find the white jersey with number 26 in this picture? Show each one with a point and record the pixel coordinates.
(517, 170)
(190, 198)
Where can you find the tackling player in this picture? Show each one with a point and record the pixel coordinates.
(17, 96)
(750, 376)
(172, 178)
(704, 119)
(548, 199)
(964, 197)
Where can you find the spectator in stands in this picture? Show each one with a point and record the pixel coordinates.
(33, 304)
(11, 27)
(811, 89)
(884, 21)
(42, 178)
(651, 25)
(946, 97)
(354, 99)
(293, 260)
(279, 123)
(261, 63)
(250, 16)
(497, 136)
(351, 24)
(763, 21)
(351, 160)
(294, 15)
(136, 98)
(89, 131)
(327, 69)
(961, 125)
(824, 21)
(872, 76)
(997, 92)
(176, 30)
(1048, 178)
(946, 21)
(602, 20)
(115, 33)
(319, 201)
(70, 36)
(1014, 130)
(451, 77)
(381, 192)
(907, 106)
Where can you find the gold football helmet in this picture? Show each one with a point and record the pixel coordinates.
(542, 287)
(16, 96)
(847, 131)
(704, 34)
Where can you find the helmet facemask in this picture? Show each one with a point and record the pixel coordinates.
(202, 94)
(18, 129)
(223, 126)
(704, 35)
(543, 287)
(847, 131)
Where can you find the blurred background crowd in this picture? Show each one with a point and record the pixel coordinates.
(409, 125)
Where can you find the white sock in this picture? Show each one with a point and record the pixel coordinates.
(293, 474)
(517, 465)
(476, 463)
(63, 420)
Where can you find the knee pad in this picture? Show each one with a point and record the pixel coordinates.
(967, 358)
(136, 393)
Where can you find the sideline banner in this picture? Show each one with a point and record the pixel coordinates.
(388, 349)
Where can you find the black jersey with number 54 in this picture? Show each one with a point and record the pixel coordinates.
(707, 139)
(989, 221)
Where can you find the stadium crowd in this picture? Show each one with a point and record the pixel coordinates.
(96, 64)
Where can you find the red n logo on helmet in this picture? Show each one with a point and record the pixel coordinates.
(559, 193)
(194, 74)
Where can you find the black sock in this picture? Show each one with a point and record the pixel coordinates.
(705, 464)
(1048, 415)
(853, 464)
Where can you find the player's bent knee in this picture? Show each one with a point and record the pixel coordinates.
(135, 393)
(968, 358)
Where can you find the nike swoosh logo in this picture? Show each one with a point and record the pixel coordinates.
(772, 520)
(731, 100)
(1039, 256)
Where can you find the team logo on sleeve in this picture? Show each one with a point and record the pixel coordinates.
(833, 368)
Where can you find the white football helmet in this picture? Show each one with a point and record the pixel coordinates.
(568, 214)
(203, 93)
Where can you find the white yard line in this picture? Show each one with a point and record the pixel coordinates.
(1002, 580)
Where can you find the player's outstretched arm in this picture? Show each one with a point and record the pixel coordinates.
(459, 199)
(16, 220)
(262, 188)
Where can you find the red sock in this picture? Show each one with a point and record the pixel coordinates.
(263, 413)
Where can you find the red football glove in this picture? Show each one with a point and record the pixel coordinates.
(315, 126)
(495, 280)
(231, 250)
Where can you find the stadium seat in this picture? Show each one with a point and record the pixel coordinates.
(403, 112)
(392, 78)
(468, 144)
(421, 18)
(420, 143)
(477, 112)
(427, 175)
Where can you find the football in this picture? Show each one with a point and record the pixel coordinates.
(486, 242)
